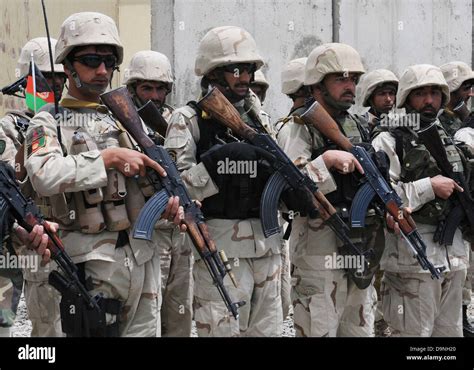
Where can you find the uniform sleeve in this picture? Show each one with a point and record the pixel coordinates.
(413, 194)
(295, 140)
(50, 172)
(7, 148)
(466, 135)
(180, 142)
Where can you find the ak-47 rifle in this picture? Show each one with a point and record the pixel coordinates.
(286, 175)
(88, 319)
(120, 104)
(152, 117)
(463, 205)
(376, 185)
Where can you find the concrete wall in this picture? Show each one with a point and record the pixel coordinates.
(388, 34)
(23, 20)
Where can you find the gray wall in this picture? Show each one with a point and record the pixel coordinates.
(388, 34)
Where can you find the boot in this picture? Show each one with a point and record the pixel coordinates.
(467, 328)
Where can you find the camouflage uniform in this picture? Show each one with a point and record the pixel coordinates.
(176, 258)
(42, 300)
(256, 261)
(326, 301)
(413, 303)
(93, 205)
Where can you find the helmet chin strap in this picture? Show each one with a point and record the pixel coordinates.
(83, 85)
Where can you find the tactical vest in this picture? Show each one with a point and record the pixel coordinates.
(450, 122)
(114, 207)
(417, 163)
(239, 194)
(347, 185)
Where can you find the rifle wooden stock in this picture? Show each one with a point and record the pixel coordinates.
(318, 117)
(152, 117)
(120, 104)
(215, 103)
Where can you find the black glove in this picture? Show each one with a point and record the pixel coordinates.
(239, 151)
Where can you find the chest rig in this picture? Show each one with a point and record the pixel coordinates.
(239, 194)
(417, 163)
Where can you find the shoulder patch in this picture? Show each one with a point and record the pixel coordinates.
(35, 140)
(3, 145)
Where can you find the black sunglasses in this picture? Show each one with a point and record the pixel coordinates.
(95, 60)
(241, 67)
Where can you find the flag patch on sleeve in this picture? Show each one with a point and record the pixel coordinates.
(36, 139)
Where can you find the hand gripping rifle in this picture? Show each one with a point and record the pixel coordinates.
(88, 318)
(286, 174)
(376, 185)
(120, 104)
(463, 204)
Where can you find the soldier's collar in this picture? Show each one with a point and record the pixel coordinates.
(70, 102)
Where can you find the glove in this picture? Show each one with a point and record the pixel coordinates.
(239, 151)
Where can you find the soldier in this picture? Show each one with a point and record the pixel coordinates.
(460, 79)
(149, 77)
(326, 301)
(260, 86)
(413, 303)
(227, 58)
(377, 90)
(292, 81)
(42, 300)
(91, 181)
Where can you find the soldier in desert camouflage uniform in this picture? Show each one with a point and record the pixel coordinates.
(326, 301)
(42, 300)
(91, 181)
(413, 303)
(228, 58)
(149, 77)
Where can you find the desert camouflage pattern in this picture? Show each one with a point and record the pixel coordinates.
(130, 273)
(259, 286)
(240, 239)
(456, 73)
(412, 307)
(314, 282)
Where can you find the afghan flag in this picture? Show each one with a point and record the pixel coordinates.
(38, 92)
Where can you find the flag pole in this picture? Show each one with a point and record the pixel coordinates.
(33, 73)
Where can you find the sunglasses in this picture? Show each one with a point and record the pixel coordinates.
(241, 67)
(95, 60)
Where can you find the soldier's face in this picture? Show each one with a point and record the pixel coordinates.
(59, 81)
(152, 90)
(341, 86)
(426, 100)
(238, 78)
(258, 90)
(383, 99)
(99, 76)
(464, 92)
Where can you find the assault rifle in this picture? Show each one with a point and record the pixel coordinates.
(120, 104)
(463, 205)
(376, 185)
(88, 318)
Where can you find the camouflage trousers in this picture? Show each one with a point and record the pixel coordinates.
(285, 278)
(11, 285)
(176, 264)
(415, 305)
(328, 304)
(467, 288)
(136, 286)
(42, 302)
(258, 285)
